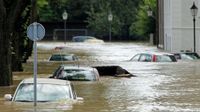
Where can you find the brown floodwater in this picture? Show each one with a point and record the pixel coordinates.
(158, 87)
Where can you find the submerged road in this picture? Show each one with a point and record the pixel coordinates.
(158, 87)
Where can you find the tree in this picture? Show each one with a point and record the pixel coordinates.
(51, 10)
(144, 25)
(98, 18)
(10, 15)
(123, 11)
(95, 13)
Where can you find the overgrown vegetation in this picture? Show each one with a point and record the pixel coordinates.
(130, 21)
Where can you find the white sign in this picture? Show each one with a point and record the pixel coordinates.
(35, 31)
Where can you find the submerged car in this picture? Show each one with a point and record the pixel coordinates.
(48, 90)
(63, 57)
(86, 39)
(187, 56)
(154, 57)
(73, 73)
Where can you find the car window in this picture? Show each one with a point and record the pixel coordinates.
(186, 57)
(136, 57)
(145, 58)
(163, 58)
(193, 55)
(45, 92)
(177, 56)
(80, 75)
(61, 58)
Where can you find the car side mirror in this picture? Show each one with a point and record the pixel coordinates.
(8, 97)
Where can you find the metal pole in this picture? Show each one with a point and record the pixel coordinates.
(35, 63)
(33, 12)
(194, 34)
(110, 33)
(35, 73)
(65, 31)
(33, 19)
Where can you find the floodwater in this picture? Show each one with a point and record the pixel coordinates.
(158, 87)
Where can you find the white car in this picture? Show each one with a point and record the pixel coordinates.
(154, 57)
(48, 90)
(88, 39)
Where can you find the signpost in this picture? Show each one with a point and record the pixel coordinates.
(35, 32)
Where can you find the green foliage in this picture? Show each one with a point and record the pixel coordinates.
(144, 24)
(51, 10)
(123, 15)
(130, 17)
(98, 18)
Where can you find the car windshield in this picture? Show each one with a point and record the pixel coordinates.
(77, 74)
(186, 56)
(82, 38)
(193, 55)
(45, 92)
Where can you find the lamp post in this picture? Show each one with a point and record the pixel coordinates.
(194, 11)
(110, 18)
(151, 35)
(65, 15)
(149, 12)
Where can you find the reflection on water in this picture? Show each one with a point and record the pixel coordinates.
(158, 87)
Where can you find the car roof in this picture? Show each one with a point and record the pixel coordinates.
(185, 53)
(47, 81)
(83, 37)
(77, 67)
(157, 53)
(62, 54)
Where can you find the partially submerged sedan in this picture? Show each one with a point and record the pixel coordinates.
(154, 57)
(63, 57)
(186, 56)
(74, 73)
(48, 90)
(89, 39)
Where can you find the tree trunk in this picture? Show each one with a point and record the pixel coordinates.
(5, 59)
(10, 13)
(16, 53)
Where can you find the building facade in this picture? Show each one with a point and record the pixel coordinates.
(175, 25)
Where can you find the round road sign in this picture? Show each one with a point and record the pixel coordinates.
(35, 31)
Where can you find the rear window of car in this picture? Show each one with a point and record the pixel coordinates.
(61, 58)
(81, 75)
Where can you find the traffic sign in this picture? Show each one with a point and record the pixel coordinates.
(35, 31)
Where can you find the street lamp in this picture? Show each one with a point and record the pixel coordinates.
(110, 18)
(151, 35)
(149, 12)
(65, 15)
(194, 11)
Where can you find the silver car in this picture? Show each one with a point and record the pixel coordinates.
(63, 57)
(154, 57)
(74, 73)
(48, 90)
